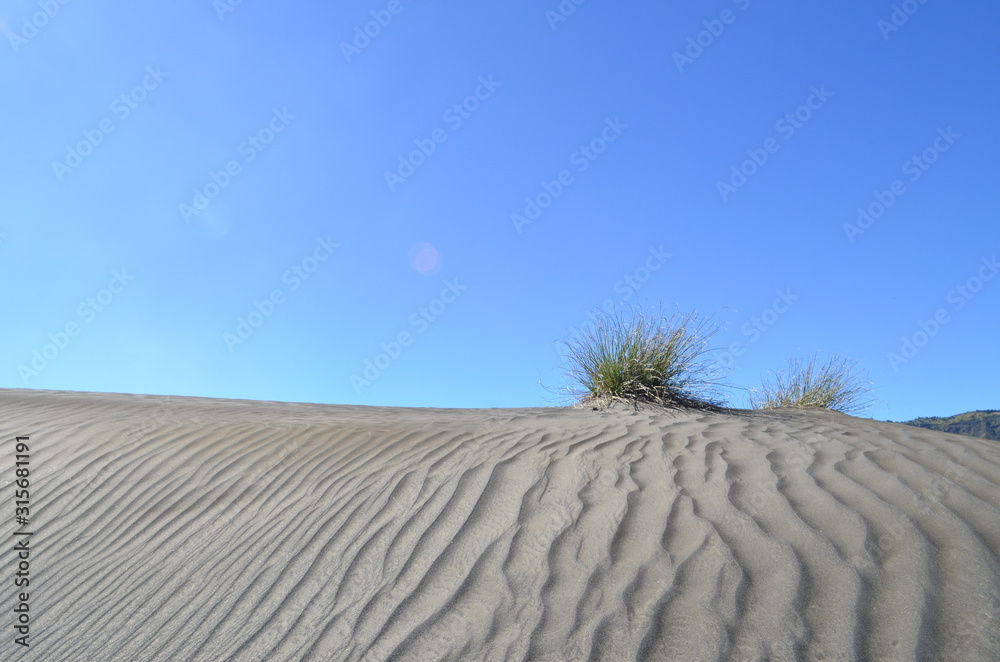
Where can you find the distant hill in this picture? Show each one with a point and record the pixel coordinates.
(985, 424)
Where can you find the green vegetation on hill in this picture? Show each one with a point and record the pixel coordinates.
(985, 424)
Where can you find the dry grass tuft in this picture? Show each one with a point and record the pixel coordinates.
(807, 383)
(636, 358)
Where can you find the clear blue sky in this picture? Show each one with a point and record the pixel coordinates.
(289, 118)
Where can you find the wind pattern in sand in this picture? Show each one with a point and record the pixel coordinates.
(193, 529)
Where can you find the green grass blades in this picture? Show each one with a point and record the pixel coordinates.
(808, 383)
(637, 358)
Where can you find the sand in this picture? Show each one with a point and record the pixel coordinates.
(168, 528)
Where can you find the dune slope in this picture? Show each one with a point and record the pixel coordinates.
(170, 528)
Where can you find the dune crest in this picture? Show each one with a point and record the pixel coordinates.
(170, 528)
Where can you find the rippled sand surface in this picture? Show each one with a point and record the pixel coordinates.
(171, 528)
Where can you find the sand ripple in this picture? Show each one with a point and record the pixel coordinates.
(193, 529)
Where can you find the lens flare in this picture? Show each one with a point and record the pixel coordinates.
(424, 258)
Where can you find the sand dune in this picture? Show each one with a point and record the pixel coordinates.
(192, 529)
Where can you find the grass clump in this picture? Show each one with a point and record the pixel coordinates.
(808, 383)
(638, 358)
